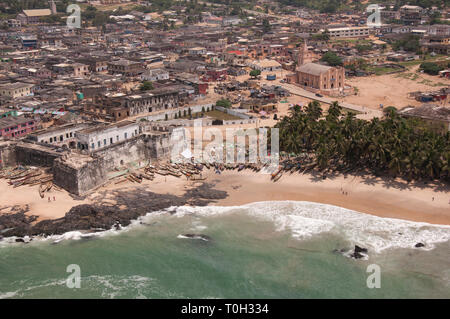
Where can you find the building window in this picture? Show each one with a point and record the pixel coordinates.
(104, 141)
(93, 146)
(125, 135)
(51, 140)
(99, 144)
(117, 137)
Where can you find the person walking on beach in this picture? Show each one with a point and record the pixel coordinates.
(49, 199)
(54, 198)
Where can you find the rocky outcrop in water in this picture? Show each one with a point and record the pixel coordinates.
(197, 236)
(359, 252)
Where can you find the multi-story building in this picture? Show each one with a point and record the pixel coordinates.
(155, 75)
(33, 16)
(125, 67)
(436, 44)
(13, 127)
(159, 99)
(349, 32)
(101, 136)
(60, 136)
(16, 90)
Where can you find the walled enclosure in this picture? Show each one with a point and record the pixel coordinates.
(82, 176)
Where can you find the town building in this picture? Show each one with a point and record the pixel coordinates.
(154, 75)
(265, 65)
(13, 127)
(63, 136)
(348, 32)
(437, 116)
(125, 67)
(33, 16)
(16, 90)
(101, 136)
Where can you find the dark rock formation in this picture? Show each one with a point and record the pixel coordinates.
(130, 205)
(418, 245)
(198, 236)
(360, 249)
(359, 252)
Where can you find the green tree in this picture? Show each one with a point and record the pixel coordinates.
(223, 103)
(431, 68)
(266, 25)
(146, 86)
(255, 73)
(332, 59)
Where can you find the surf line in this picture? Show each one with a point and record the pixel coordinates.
(193, 309)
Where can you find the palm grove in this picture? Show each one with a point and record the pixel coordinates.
(393, 145)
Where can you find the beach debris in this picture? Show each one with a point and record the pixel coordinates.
(418, 245)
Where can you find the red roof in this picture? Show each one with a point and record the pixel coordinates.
(236, 52)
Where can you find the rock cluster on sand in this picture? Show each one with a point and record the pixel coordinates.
(132, 203)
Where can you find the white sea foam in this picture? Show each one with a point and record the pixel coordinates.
(307, 219)
(303, 219)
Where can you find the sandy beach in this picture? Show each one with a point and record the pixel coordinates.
(384, 198)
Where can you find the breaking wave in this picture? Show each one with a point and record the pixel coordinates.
(307, 219)
(302, 219)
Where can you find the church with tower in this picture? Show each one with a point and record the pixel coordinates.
(316, 77)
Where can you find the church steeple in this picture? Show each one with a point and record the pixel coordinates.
(304, 56)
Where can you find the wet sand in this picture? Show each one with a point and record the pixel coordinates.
(384, 198)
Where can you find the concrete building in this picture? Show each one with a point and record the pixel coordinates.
(348, 32)
(154, 75)
(99, 137)
(125, 67)
(158, 99)
(33, 16)
(265, 65)
(437, 116)
(16, 90)
(63, 136)
(320, 77)
(12, 127)
(316, 77)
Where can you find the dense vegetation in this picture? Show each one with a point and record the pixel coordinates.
(431, 68)
(408, 43)
(146, 86)
(393, 145)
(331, 58)
(223, 103)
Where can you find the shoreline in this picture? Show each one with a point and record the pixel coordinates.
(381, 197)
(413, 204)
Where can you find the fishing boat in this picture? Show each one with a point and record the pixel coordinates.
(275, 174)
(42, 189)
(275, 179)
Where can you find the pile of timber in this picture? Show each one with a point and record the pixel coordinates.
(21, 176)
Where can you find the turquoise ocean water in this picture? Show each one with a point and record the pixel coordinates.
(261, 250)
